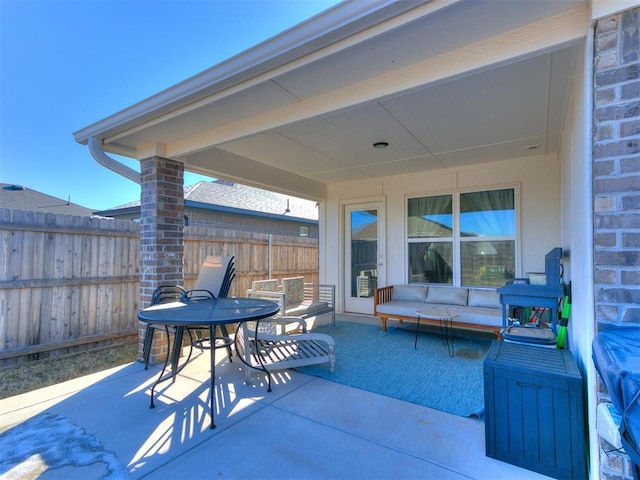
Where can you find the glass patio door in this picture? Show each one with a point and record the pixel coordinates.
(364, 255)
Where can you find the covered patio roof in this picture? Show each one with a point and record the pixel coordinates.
(445, 83)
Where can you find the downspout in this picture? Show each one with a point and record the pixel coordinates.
(95, 148)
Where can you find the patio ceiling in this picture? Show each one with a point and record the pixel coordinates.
(445, 83)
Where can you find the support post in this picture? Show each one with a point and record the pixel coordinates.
(161, 235)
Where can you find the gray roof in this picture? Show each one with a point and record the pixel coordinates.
(17, 197)
(232, 195)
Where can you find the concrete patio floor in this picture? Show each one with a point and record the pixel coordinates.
(101, 426)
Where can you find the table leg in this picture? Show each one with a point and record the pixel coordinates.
(446, 326)
(164, 368)
(213, 375)
(415, 342)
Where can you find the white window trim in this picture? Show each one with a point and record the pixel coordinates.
(455, 239)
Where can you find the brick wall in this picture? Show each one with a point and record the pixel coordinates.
(161, 234)
(616, 169)
(616, 188)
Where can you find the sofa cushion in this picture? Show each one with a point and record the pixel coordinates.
(473, 315)
(447, 295)
(484, 298)
(402, 308)
(409, 293)
(490, 317)
(462, 314)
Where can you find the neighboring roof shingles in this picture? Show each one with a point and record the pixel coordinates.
(16, 197)
(243, 197)
(234, 195)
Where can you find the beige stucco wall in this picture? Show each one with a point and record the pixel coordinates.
(537, 179)
(555, 205)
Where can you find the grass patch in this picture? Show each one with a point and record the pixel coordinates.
(30, 376)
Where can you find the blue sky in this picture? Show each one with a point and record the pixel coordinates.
(67, 64)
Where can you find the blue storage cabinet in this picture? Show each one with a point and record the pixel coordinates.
(534, 409)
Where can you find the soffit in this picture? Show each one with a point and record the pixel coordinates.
(489, 116)
(245, 132)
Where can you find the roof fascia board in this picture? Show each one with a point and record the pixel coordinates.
(133, 210)
(212, 207)
(327, 28)
(514, 45)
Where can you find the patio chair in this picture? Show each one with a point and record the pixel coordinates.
(166, 294)
(214, 280)
(265, 345)
(163, 294)
(297, 298)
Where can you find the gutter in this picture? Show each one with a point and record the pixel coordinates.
(95, 148)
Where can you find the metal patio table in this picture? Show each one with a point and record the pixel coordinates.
(206, 313)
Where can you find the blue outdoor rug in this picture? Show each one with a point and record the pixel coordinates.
(386, 363)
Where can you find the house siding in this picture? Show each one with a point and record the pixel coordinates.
(249, 223)
(616, 189)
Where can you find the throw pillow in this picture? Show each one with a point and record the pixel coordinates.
(409, 293)
(447, 295)
(293, 289)
(484, 298)
(265, 285)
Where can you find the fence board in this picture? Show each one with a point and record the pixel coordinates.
(70, 283)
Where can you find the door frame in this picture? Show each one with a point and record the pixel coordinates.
(353, 304)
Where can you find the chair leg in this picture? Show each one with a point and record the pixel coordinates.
(177, 350)
(225, 336)
(146, 346)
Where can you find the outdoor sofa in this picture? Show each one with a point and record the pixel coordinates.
(474, 308)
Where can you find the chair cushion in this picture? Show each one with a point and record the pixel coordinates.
(409, 293)
(308, 307)
(265, 285)
(293, 289)
(484, 298)
(447, 295)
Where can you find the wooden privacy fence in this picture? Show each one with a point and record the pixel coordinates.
(71, 283)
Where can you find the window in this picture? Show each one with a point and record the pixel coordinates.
(431, 257)
(465, 239)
